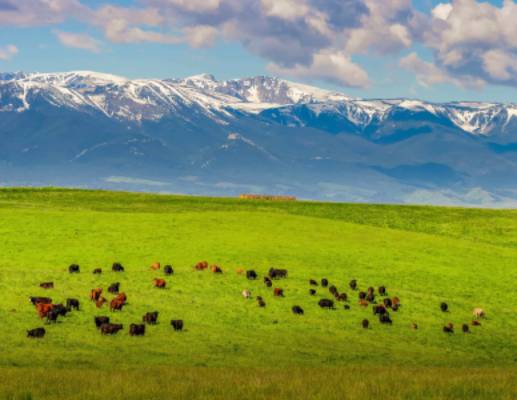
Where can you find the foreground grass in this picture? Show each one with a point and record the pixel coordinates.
(424, 255)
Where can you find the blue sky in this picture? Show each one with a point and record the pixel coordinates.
(429, 49)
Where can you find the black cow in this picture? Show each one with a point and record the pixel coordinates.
(177, 324)
(347, 307)
(312, 282)
(385, 319)
(136, 330)
(275, 273)
(150, 318)
(268, 281)
(40, 300)
(326, 303)
(342, 297)
(74, 269)
(60, 309)
(387, 302)
(251, 275)
(167, 270)
(370, 297)
(382, 291)
(114, 288)
(379, 309)
(117, 267)
(324, 282)
(444, 307)
(365, 323)
(465, 328)
(297, 310)
(72, 303)
(312, 292)
(99, 321)
(395, 307)
(449, 328)
(261, 302)
(353, 284)
(362, 295)
(111, 329)
(52, 316)
(36, 333)
(333, 290)
(97, 271)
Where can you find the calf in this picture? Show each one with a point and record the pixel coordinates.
(117, 267)
(449, 328)
(111, 329)
(385, 319)
(72, 304)
(312, 282)
(382, 291)
(353, 284)
(155, 266)
(444, 307)
(150, 318)
(37, 333)
(95, 294)
(40, 300)
(99, 303)
(277, 273)
(177, 324)
(99, 321)
(97, 271)
(365, 323)
(159, 283)
(324, 282)
(47, 285)
(74, 269)
(312, 292)
(167, 270)
(278, 292)
(136, 330)
(251, 275)
(114, 288)
(297, 310)
(201, 266)
(326, 303)
(216, 269)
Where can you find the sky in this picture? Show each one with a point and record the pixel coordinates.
(435, 50)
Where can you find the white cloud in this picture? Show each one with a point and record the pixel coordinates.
(442, 11)
(8, 52)
(78, 41)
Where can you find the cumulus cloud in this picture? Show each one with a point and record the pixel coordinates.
(79, 41)
(8, 52)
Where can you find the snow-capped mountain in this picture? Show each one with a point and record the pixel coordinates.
(202, 135)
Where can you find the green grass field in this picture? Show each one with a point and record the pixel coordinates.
(231, 348)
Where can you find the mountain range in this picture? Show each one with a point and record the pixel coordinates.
(199, 135)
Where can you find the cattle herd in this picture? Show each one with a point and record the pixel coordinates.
(383, 305)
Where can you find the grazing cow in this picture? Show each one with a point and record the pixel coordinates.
(444, 307)
(159, 283)
(155, 266)
(117, 267)
(42, 300)
(278, 292)
(97, 271)
(449, 328)
(150, 318)
(341, 297)
(122, 297)
(363, 303)
(297, 310)
(476, 323)
(95, 294)
(395, 307)
(216, 269)
(246, 294)
(395, 301)
(261, 302)
(353, 284)
(52, 316)
(326, 303)
(60, 309)
(43, 309)
(37, 333)
(478, 313)
(324, 282)
(362, 295)
(370, 297)
(379, 309)
(251, 275)
(136, 330)
(168, 270)
(347, 307)
(74, 269)
(99, 303)
(387, 302)
(116, 304)
(111, 329)
(177, 324)
(312, 292)
(47, 285)
(414, 326)
(99, 321)
(465, 328)
(333, 290)
(382, 291)
(365, 323)
(201, 266)
(114, 288)
(370, 290)
(268, 281)
(275, 273)
(312, 282)
(385, 319)
(72, 304)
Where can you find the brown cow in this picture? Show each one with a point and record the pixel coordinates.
(216, 269)
(99, 303)
(116, 304)
(363, 303)
(240, 271)
(155, 266)
(44, 309)
(395, 301)
(122, 297)
(476, 323)
(95, 294)
(278, 292)
(159, 283)
(201, 266)
(47, 285)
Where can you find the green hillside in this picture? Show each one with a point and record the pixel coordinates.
(231, 348)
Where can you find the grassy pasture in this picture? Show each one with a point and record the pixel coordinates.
(231, 348)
